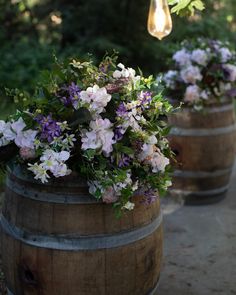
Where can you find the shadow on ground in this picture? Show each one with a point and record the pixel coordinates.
(200, 248)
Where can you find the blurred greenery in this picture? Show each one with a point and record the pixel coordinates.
(33, 30)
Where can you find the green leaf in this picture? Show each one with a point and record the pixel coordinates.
(180, 6)
(186, 7)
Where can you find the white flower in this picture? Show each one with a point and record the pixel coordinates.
(170, 78)
(60, 170)
(123, 72)
(26, 139)
(182, 57)
(200, 57)
(126, 73)
(3, 141)
(54, 162)
(100, 136)
(48, 155)
(191, 74)
(39, 171)
(68, 142)
(159, 162)
(18, 126)
(15, 131)
(2, 126)
(192, 94)
(63, 125)
(148, 148)
(129, 206)
(147, 151)
(232, 72)
(152, 139)
(96, 97)
(8, 133)
(204, 94)
(225, 53)
(62, 156)
(135, 186)
(167, 184)
(131, 119)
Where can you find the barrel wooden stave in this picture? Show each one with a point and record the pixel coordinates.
(201, 153)
(202, 184)
(213, 118)
(204, 144)
(94, 218)
(129, 268)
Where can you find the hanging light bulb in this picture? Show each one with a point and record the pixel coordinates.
(159, 19)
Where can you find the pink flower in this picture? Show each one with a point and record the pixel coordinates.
(191, 75)
(192, 94)
(27, 153)
(100, 137)
(109, 195)
(96, 97)
(159, 162)
(200, 57)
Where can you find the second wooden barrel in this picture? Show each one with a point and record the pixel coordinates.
(58, 240)
(204, 144)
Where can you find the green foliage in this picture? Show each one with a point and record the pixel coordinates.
(186, 7)
(33, 30)
(67, 116)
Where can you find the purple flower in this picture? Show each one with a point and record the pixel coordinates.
(69, 95)
(231, 93)
(49, 127)
(121, 110)
(124, 161)
(145, 97)
(118, 133)
(226, 73)
(149, 197)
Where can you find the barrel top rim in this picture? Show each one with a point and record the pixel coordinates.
(20, 172)
(208, 106)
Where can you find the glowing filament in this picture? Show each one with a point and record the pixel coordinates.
(159, 19)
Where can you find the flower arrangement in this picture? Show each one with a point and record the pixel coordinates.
(106, 123)
(202, 72)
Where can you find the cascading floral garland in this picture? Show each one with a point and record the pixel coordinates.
(106, 123)
(201, 72)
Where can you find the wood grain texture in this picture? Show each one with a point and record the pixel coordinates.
(130, 269)
(203, 154)
(212, 117)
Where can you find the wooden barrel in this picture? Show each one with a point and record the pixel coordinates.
(57, 239)
(204, 144)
